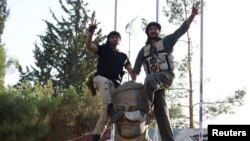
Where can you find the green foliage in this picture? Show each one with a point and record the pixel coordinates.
(34, 112)
(2, 67)
(61, 56)
(62, 60)
(24, 113)
(51, 102)
(4, 12)
(3, 16)
(89, 110)
(178, 119)
(5, 62)
(6, 65)
(224, 106)
(74, 116)
(177, 10)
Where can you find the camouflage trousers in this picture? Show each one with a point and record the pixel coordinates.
(104, 86)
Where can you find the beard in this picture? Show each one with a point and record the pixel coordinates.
(114, 44)
(154, 36)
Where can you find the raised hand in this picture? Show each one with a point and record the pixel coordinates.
(195, 8)
(92, 25)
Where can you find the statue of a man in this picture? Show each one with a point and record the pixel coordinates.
(125, 98)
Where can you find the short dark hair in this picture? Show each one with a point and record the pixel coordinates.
(153, 24)
(112, 33)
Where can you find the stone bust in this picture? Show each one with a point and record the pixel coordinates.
(125, 98)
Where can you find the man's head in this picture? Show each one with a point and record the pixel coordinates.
(113, 38)
(153, 30)
(153, 25)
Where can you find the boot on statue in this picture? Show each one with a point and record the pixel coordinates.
(96, 137)
(114, 116)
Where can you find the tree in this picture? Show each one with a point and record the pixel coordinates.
(2, 66)
(61, 56)
(24, 112)
(62, 59)
(4, 12)
(74, 115)
(3, 16)
(5, 62)
(177, 12)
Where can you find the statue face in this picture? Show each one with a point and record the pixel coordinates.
(127, 101)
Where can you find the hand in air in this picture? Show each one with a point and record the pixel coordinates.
(92, 25)
(195, 8)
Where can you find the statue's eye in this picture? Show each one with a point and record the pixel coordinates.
(132, 108)
(120, 108)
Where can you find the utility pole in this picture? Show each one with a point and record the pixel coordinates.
(115, 18)
(157, 10)
(201, 74)
(115, 23)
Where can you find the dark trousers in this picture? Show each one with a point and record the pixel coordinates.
(161, 115)
(153, 95)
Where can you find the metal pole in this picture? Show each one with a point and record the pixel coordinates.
(112, 132)
(115, 18)
(129, 49)
(115, 22)
(157, 10)
(201, 75)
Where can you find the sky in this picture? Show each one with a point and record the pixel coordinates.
(225, 41)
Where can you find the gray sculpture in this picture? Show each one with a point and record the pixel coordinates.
(125, 98)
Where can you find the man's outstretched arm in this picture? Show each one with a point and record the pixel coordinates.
(195, 10)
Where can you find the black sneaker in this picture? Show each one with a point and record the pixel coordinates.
(96, 137)
(114, 116)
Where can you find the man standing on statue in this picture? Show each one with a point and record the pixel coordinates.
(157, 60)
(109, 75)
